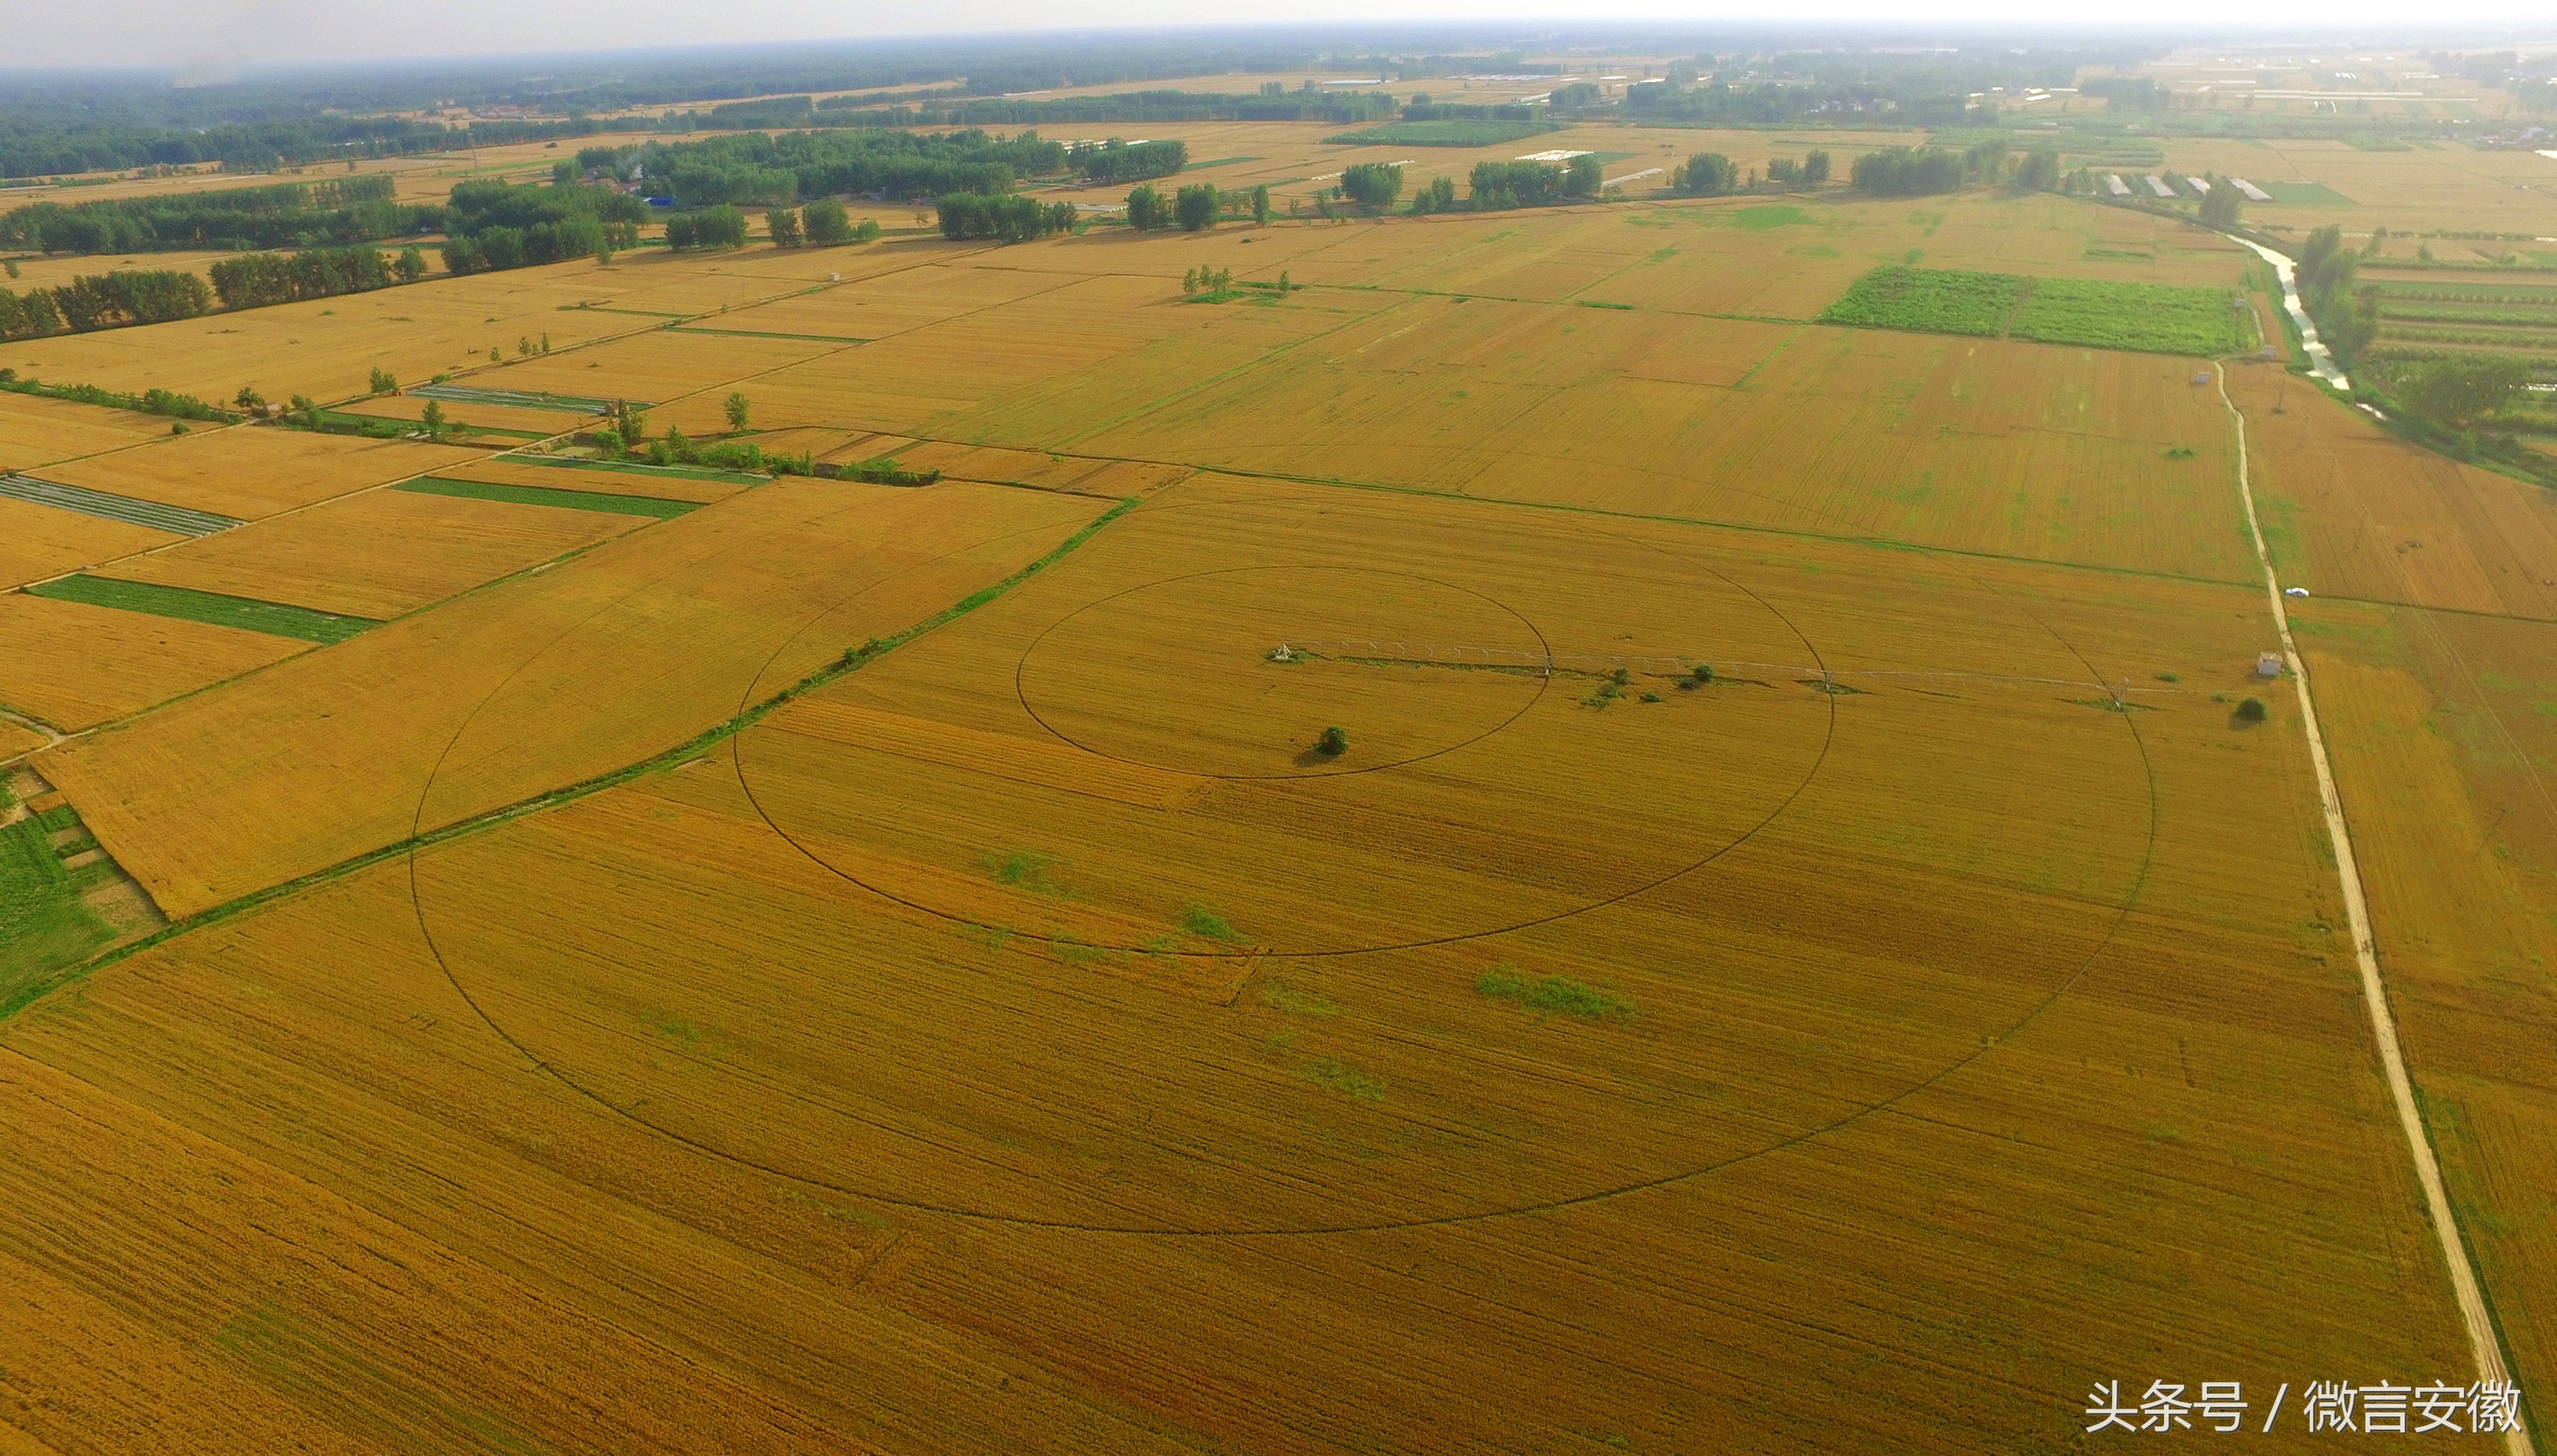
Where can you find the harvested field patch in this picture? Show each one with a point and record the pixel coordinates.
(212, 608)
(34, 430)
(652, 506)
(2353, 511)
(74, 665)
(623, 652)
(16, 739)
(385, 551)
(249, 472)
(38, 540)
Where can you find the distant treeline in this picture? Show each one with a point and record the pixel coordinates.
(772, 171)
(295, 215)
(1156, 106)
(104, 301)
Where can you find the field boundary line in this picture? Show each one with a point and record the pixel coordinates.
(2483, 1341)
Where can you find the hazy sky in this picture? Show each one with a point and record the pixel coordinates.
(222, 35)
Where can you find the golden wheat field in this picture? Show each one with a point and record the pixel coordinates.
(1515, 845)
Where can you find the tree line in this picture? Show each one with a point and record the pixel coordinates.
(757, 167)
(1002, 217)
(104, 301)
(489, 225)
(294, 214)
(263, 279)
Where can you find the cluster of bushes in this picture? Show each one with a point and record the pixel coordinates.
(1812, 171)
(1705, 174)
(1372, 184)
(625, 437)
(489, 225)
(1194, 208)
(1439, 195)
(823, 223)
(149, 402)
(1909, 172)
(294, 214)
(711, 227)
(1499, 184)
(1004, 216)
(1115, 160)
(261, 279)
(104, 301)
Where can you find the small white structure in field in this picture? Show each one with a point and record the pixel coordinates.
(2115, 184)
(2252, 192)
(2295, 590)
(2268, 664)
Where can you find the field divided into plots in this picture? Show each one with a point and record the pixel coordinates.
(1791, 944)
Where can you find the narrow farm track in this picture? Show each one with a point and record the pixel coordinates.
(2465, 1288)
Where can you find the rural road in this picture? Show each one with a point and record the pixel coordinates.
(2375, 993)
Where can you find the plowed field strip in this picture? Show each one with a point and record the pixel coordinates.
(105, 506)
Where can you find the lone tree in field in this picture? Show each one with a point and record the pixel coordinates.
(1705, 174)
(1146, 210)
(1372, 184)
(249, 400)
(1261, 206)
(2219, 205)
(735, 408)
(432, 419)
(2251, 711)
(1194, 207)
(1333, 744)
(826, 223)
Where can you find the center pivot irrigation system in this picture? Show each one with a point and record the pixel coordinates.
(1547, 663)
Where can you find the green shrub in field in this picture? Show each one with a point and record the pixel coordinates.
(1928, 300)
(1504, 983)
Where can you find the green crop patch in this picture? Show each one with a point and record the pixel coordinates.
(1928, 300)
(2147, 318)
(44, 926)
(274, 619)
(1440, 134)
(1218, 162)
(595, 500)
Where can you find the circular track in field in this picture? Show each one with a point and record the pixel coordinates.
(1336, 1081)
